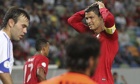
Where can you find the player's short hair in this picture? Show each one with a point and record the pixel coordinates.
(79, 49)
(14, 13)
(40, 43)
(94, 8)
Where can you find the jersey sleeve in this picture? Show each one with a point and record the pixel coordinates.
(76, 22)
(109, 21)
(44, 64)
(4, 56)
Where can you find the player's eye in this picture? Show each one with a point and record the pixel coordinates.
(91, 17)
(24, 26)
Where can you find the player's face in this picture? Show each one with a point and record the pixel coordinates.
(92, 64)
(94, 21)
(46, 49)
(20, 28)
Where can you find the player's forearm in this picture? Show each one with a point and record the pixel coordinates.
(41, 78)
(76, 22)
(77, 17)
(41, 74)
(107, 17)
(6, 78)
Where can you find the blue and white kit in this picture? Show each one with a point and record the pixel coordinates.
(6, 53)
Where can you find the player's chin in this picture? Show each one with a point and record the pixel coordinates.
(92, 28)
(96, 32)
(17, 39)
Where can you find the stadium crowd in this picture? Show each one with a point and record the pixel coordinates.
(49, 20)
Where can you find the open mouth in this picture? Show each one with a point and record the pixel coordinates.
(91, 26)
(21, 36)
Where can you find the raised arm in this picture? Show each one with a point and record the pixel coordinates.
(108, 18)
(76, 22)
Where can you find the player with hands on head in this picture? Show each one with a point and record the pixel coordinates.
(36, 67)
(101, 24)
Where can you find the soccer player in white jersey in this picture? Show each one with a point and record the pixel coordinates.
(14, 26)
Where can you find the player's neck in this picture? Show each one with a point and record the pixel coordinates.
(40, 53)
(87, 72)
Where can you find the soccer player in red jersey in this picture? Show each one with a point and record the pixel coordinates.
(36, 68)
(81, 61)
(101, 23)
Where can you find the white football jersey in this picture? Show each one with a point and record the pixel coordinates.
(6, 53)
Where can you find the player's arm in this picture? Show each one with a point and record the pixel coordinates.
(42, 69)
(5, 75)
(6, 78)
(108, 18)
(41, 74)
(76, 22)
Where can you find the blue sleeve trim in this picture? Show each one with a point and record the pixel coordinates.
(5, 66)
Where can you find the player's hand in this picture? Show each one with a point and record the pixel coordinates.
(100, 4)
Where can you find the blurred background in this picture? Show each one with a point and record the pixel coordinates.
(49, 20)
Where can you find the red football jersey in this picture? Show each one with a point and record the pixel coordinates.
(31, 66)
(109, 43)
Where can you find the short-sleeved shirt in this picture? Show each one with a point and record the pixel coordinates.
(6, 53)
(70, 78)
(31, 66)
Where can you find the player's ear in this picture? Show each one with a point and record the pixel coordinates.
(41, 52)
(11, 23)
(91, 61)
(43, 49)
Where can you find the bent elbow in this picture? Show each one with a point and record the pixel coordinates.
(110, 21)
(69, 20)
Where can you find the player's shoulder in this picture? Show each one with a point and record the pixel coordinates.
(4, 43)
(54, 80)
(107, 36)
(71, 78)
(40, 57)
(3, 37)
(68, 77)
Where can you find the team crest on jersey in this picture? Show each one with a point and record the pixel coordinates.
(6, 64)
(43, 64)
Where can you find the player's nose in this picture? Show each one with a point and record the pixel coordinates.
(88, 21)
(25, 30)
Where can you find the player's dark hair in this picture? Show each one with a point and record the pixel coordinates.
(94, 8)
(79, 49)
(40, 43)
(14, 13)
